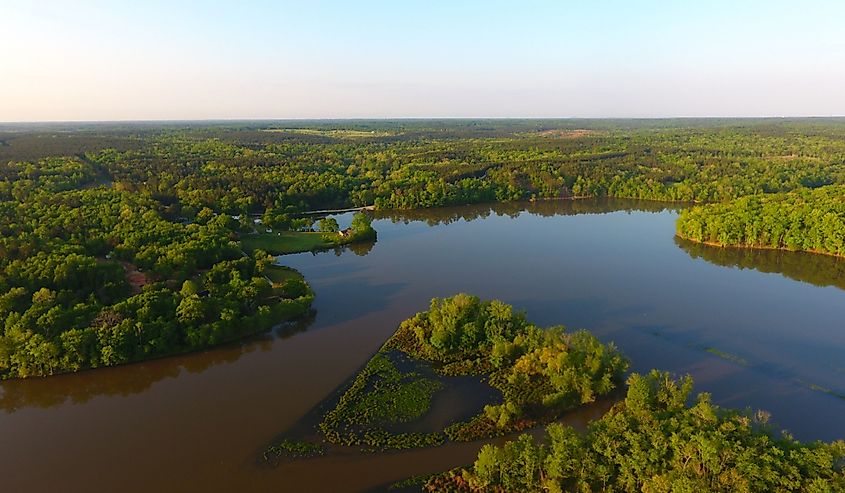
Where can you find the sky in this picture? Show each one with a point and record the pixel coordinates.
(175, 60)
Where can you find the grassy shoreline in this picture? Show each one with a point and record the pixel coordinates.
(288, 242)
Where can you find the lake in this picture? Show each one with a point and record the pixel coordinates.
(759, 329)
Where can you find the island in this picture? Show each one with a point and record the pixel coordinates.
(530, 375)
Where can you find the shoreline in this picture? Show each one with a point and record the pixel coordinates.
(234, 339)
(758, 247)
(529, 200)
(337, 211)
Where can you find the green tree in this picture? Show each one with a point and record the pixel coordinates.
(190, 310)
(328, 225)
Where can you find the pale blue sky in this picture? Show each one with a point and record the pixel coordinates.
(119, 60)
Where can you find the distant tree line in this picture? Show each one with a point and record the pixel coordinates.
(237, 172)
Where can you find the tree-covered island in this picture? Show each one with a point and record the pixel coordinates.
(537, 374)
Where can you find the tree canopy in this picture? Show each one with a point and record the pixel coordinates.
(654, 441)
(810, 220)
(97, 276)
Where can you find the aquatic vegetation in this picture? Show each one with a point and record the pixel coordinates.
(727, 356)
(381, 394)
(293, 450)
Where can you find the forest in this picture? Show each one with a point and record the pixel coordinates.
(809, 220)
(655, 441)
(278, 169)
(94, 276)
(122, 242)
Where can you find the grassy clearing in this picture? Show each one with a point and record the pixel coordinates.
(278, 274)
(336, 133)
(285, 242)
(287, 283)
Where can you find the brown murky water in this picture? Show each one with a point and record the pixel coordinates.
(761, 329)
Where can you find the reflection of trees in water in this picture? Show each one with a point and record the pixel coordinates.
(359, 248)
(133, 378)
(544, 208)
(819, 270)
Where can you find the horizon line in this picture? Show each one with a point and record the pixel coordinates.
(423, 118)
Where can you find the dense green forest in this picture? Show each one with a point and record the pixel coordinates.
(811, 220)
(124, 241)
(279, 169)
(655, 441)
(95, 276)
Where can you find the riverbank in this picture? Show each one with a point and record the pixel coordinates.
(338, 211)
(758, 247)
(289, 242)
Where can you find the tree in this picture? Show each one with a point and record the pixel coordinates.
(362, 226)
(294, 288)
(190, 310)
(328, 225)
(189, 288)
(654, 441)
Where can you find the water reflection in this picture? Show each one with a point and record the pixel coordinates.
(360, 248)
(542, 208)
(818, 270)
(135, 378)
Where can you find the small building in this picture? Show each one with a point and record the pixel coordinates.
(345, 233)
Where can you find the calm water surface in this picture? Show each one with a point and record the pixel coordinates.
(756, 329)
